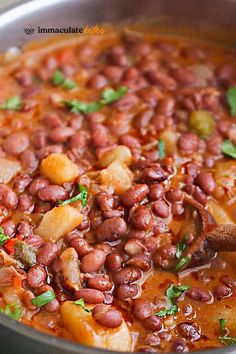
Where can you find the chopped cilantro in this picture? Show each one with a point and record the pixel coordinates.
(110, 95)
(13, 310)
(228, 148)
(59, 80)
(161, 149)
(3, 237)
(231, 99)
(181, 246)
(43, 299)
(12, 103)
(81, 303)
(182, 263)
(226, 340)
(81, 196)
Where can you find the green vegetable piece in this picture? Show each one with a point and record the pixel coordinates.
(13, 310)
(181, 263)
(43, 299)
(58, 78)
(81, 196)
(161, 149)
(181, 246)
(81, 303)
(3, 237)
(69, 84)
(231, 99)
(171, 311)
(202, 123)
(25, 253)
(77, 106)
(226, 340)
(12, 103)
(228, 148)
(110, 95)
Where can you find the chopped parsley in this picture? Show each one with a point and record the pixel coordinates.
(226, 340)
(231, 99)
(59, 80)
(12, 103)
(228, 148)
(13, 310)
(83, 195)
(3, 237)
(81, 303)
(161, 149)
(43, 299)
(172, 293)
(181, 246)
(181, 263)
(110, 95)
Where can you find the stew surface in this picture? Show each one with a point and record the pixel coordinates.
(117, 191)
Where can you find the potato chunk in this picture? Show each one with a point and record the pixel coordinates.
(8, 170)
(58, 222)
(117, 176)
(70, 269)
(59, 169)
(120, 153)
(86, 330)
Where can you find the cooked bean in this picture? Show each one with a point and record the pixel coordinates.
(8, 198)
(126, 291)
(156, 191)
(25, 203)
(134, 195)
(99, 283)
(52, 120)
(81, 246)
(189, 330)
(199, 294)
(222, 291)
(160, 78)
(16, 143)
(174, 195)
(113, 262)
(21, 182)
(53, 306)
(127, 275)
(107, 316)
(105, 201)
(36, 276)
(184, 76)
(188, 143)
(141, 219)
(136, 234)
(161, 209)
(206, 182)
(142, 309)
(61, 134)
(179, 346)
(141, 261)
(90, 296)
(152, 323)
(52, 193)
(111, 229)
(133, 247)
(93, 261)
(113, 73)
(154, 174)
(165, 257)
(105, 247)
(97, 82)
(9, 228)
(166, 106)
(47, 254)
(38, 184)
(24, 228)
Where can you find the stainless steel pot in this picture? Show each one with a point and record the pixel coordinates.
(214, 19)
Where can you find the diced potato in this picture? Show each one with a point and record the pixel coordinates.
(58, 222)
(225, 176)
(120, 153)
(8, 170)
(59, 169)
(70, 269)
(218, 213)
(87, 331)
(170, 138)
(117, 176)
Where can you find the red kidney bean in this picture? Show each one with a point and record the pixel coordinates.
(100, 136)
(141, 261)
(113, 262)
(41, 207)
(142, 120)
(199, 294)
(179, 346)
(113, 73)
(156, 191)
(206, 182)
(127, 275)
(227, 280)
(25, 203)
(188, 143)
(9, 228)
(21, 182)
(48, 150)
(130, 141)
(42, 289)
(223, 127)
(53, 306)
(38, 184)
(222, 291)
(107, 316)
(199, 196)
(105, 247)
(142, 309)
(61, 134)
(214, 145)
(81, 246)
(90, 296)
(118, 56)
(39, 139)
(99, 283)
(162, 79)
(165, 257)
(192, 169)
(152, 323)
(133, 247)
(161, 209)
(149, 96)
(97, 82)
(93, 261)
(8, 198)
(126, 291)
(177, 209)
(47, 254)
(161, 122)
(134, 195)
(28, 296)
(153, 174)
(16, 143)
(52, 193)
(136, 234)
(105, 201)
(126, 102)
(184, 76)
(225, 72)
(108, 214)
(79, 140)
(52, 120)
(24, 228)
(141, 219)
(36, 276)
(174, 195)
(111, 229)
(35, 241)
(189, 330)
(166, 106)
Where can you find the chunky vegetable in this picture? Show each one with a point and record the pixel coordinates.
(120, 153)
(117, 176)
(8, 170)
(202, 123)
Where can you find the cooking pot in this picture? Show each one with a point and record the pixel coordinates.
(212, 19)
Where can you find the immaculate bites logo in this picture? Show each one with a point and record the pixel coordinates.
(29, 30)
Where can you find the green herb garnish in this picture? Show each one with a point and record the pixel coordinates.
(81, 196)
(231, 99)
(13, 310)
(81, 303)
(110, 95)
(43, 299)
(226, 340)
(59, 80)
(172, 293)
(3, 237)
(161, 149)
(181, 246)
(228, 148)
(181, 263)
(12, 103)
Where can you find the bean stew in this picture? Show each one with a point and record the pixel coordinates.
(117, 191)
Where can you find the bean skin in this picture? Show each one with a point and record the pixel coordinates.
(38, 184)
(156, 191)
(142, 309)
(127, 275)
(90, 296)
(152, 323)
(16, 143)
(113, 262)
(133, 247)
(53, 306)
(47, 254)
(141, 261)
(141, 219)
(99, 283)
(161, 209)
(136, 234)
(199, 294)
(222, 291)
(93, 261)
(61, 134)
(188, 143)
(111, 229)
(174, 195)
(206, 182)
(126, 291)
(81, 246)
(8, 198)
(107, 316)
(134, 195)
(153, 174)
(189, 330)
(36, 276)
